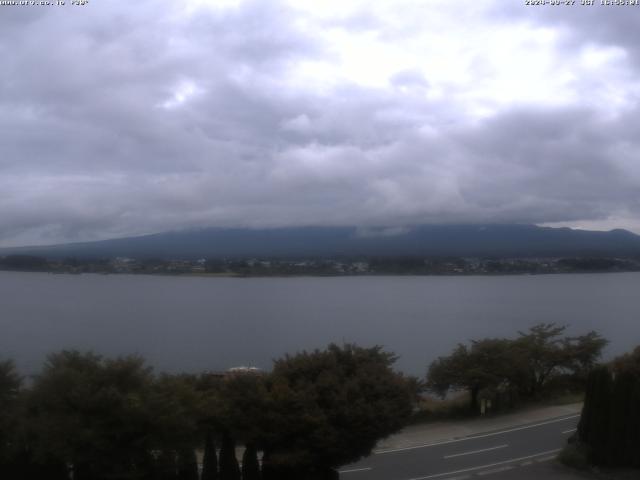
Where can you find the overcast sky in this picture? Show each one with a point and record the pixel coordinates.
(129, 117)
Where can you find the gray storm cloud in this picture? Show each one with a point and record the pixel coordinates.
(122, 118)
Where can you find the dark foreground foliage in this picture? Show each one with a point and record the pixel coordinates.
(609, 429)
(97, 418)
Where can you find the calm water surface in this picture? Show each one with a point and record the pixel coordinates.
(191, 324)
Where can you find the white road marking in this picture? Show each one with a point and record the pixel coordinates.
(496, 470)
(475, 451)
(426, 445)
(570, 431)
(353, 470)
(471, 469)
(545, 459)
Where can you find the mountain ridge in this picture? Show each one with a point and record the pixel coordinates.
(515, 240)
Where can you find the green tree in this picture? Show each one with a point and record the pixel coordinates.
(524, 365)
(543, 352)
(540, 353)
(583, 353)
(92, 413)
(242, 401)
(629, 362)
(328, 408)
(174, 408)
(486, 364)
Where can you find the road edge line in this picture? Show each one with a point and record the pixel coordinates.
(471, 469)
(473, 437)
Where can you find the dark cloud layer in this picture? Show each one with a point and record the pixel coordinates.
(123, 118)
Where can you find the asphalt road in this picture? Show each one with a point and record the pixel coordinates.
(478, 456)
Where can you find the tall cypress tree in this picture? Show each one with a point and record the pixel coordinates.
(620, 426)
(594, 424)
(585, 425)
(210, 459)
(250, 464)
(633, 441)
(229, 469)
(187, 465)
(610, 422)
(166, 465)
(268, 472)
(601, 416)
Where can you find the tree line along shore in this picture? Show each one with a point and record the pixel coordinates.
(88, 417)
(342, 266)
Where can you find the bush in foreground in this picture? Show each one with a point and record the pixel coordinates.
(329, 408)
(114, 419)
(575, 456)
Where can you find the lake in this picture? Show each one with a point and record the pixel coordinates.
(198, 323)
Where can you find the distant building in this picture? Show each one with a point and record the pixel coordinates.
(242, 370)
(234, 371)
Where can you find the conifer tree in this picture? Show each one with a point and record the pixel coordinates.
(210, 459)
(595, 412)
(268, 472)
(167, 467)
(633, 441)
(187, 465)
(600, 416)
(617, 433)
(610, 422)
(229, 469)
(250, 465)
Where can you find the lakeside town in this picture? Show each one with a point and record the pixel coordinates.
(266, 267)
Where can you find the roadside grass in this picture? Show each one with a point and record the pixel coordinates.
(456, 406)
(431, 409)
(565, 399)
(574, 455)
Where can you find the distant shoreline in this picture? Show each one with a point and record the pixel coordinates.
(327, 275)
(324, 267)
